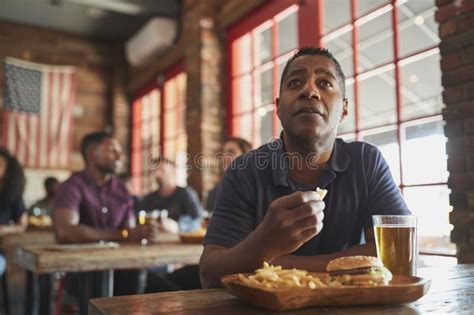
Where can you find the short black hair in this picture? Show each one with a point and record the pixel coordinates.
(316, 51)
(50, 181)
(93, 138)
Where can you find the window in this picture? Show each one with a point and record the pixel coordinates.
(159, 128)
(174, 137)
(146, 121)
(394, 90)
(258, 56)
(389, 52)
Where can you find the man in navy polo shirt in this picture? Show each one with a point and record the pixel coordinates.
(268, 210)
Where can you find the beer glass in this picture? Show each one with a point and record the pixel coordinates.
(395, 238)
(148, 217)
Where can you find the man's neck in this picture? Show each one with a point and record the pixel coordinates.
(313, 156)
(99, 177)
(167, 191)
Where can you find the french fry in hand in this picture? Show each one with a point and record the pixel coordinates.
(321, 192)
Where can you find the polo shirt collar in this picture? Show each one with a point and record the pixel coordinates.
(338, 162)
(109, 184)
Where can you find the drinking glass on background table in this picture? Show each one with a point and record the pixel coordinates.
(395, 238)
(148, 217)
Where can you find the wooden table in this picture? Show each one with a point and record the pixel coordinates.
(43, 260)
(452, 291)
(40, 259)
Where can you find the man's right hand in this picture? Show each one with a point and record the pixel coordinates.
(290, 222)
(146, 231)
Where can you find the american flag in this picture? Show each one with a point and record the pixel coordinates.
(37, 113)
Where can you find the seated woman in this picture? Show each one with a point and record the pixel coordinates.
(231, 148)
(13, 218)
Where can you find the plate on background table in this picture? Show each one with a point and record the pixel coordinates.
(402, 289)
(193, 237)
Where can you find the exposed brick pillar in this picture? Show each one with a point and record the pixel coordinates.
(203, 65)
(456, 21)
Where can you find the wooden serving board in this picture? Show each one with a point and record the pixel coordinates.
(402, 289)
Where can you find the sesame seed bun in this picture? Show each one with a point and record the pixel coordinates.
(353, 262)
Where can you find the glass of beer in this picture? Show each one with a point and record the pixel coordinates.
(148, 217)
(395, 238)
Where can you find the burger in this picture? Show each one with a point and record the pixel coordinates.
(358, 270)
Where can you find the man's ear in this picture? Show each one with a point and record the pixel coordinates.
(277, 104)
(345, 109)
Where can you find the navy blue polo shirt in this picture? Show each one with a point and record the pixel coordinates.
(357, 178)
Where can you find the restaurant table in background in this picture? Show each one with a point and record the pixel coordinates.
(44, 260)
(452, 291)
(15, 275)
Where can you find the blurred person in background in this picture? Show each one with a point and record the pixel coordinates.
(182, 205)
(45, 206)
(180, 211)
(12, 208)
(231, 148)
(94, 205)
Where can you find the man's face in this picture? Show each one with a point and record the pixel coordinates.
(107, 156)
(311, 104)
(165, 174)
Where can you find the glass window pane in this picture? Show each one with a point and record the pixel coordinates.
(341, 48)
(348, 125)
(264, 46)
(264, 124)
(181, 112)
(367, 6)
(266, 87)
(281, 67)
(424, 154)
(242, 53)
(170, 123)
(431, 205)
(377, 101)
(337, 13)
(244, 128)
(421, 88)
(288, 33)
(415, 35)
(376, 42)
(387, 143)
(243, 94)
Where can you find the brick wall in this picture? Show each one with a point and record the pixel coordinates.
(204, 111)
(456, 20)
(94, 68)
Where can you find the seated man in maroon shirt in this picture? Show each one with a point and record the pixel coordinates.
(94, 205)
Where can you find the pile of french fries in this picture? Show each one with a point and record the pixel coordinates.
(274, 277)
